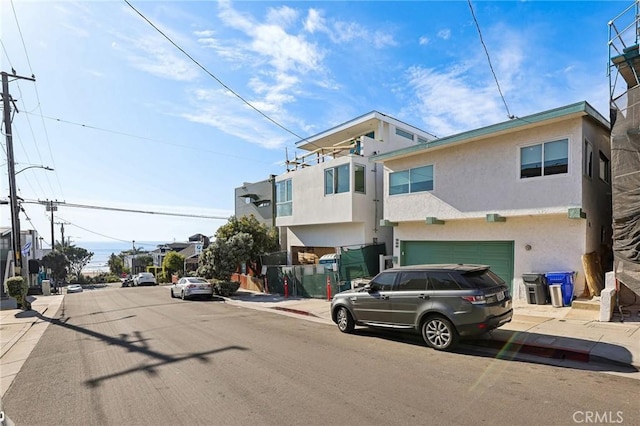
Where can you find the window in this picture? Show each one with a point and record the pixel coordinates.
(384, 281)
(336, 179)
(588, 159)
(359, 178)
(422, 140)
(605, 168)
(550, 158)
(284, 203)
(404, 134)
(413, 281)
(442, 281)
(413, 180)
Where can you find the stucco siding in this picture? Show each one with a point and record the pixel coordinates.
(556, 242)
(481, 177)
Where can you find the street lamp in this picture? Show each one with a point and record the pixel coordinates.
(35, 166)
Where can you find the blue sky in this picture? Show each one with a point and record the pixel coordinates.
(127, 120)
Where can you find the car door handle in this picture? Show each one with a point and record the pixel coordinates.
(384, 296)
(424, 296)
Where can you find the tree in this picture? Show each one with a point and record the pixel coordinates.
(221, 259)
(265, 240)
(57, 262)
(78, 258)
(173, 262)
(116, 264)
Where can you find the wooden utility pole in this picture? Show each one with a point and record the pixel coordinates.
(13, 196)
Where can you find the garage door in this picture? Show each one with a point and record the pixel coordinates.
(497, 254)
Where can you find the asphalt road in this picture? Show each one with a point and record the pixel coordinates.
(134, 356)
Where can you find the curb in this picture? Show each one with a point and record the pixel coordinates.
(543, 351)
(294, 311)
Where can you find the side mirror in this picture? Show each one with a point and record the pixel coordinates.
(370, 287)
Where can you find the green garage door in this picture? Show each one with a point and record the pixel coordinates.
(497, 254)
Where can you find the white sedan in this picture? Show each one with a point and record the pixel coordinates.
(144, 278)
(188, 287)
(74, 288)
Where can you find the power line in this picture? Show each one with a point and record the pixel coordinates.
(117, 132)
(217, 79)
(489, 60)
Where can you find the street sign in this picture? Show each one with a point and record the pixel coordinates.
(27, 247)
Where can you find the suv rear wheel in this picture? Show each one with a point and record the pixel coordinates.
(439, 333)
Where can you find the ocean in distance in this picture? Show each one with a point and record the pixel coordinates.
(102, 251)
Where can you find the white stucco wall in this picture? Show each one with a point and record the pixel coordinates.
(481, 177)
(557, 242)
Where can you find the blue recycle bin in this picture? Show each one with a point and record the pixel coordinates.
(565, 280)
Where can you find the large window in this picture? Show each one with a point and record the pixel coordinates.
(404, 134)
(550, 158)
(419, 179)
(336, 180)
(605, 168)
(284, 203)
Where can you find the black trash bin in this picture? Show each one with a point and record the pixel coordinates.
(537, 289)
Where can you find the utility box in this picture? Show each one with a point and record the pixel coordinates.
(537, 289)
(46, 288)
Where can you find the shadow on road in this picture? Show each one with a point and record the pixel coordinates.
(507, 351)
(131, 342)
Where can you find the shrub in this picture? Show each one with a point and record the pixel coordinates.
(163, 277)
(18, 288)
(226, 288)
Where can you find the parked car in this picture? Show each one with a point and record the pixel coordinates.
(442, 302)
(188, 287)
(74, 288)
(144, 278)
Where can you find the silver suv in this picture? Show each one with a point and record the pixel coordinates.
(443, 302)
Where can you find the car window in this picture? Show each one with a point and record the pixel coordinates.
(442, 281)
(384, 281)
(181, 281)
(197, 281)
(412, 280)
(483, 279)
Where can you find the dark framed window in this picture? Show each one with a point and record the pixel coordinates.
(384, 281)
(359, 181)
(604, 168)
(588, 159)
(418, 179)
(545, 159)
(442, 281)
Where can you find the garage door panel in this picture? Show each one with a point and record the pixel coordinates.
(497, 254)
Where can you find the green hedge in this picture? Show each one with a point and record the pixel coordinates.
(226, 288)
(17, 288)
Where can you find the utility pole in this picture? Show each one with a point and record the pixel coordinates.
(15, 218)
(52, 206)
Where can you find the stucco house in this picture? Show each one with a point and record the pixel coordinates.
(529, 195)
(331, 195)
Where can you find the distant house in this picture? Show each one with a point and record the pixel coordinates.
(257, 199)
(529, 195)
(331, 195)
(190, 250)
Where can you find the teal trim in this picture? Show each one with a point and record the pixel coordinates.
(494, 217)
(576, 213)
(582, 108)
(385, 222)
(434, 221)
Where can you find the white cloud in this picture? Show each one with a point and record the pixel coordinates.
(444, 34)
(314, 22)
(222, 110)
(283, 16)
(424, 40)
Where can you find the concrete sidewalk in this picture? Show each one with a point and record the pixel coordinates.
(20, 332)
(540, 330)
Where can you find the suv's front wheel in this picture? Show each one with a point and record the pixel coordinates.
(344, 320)
(439, 333)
